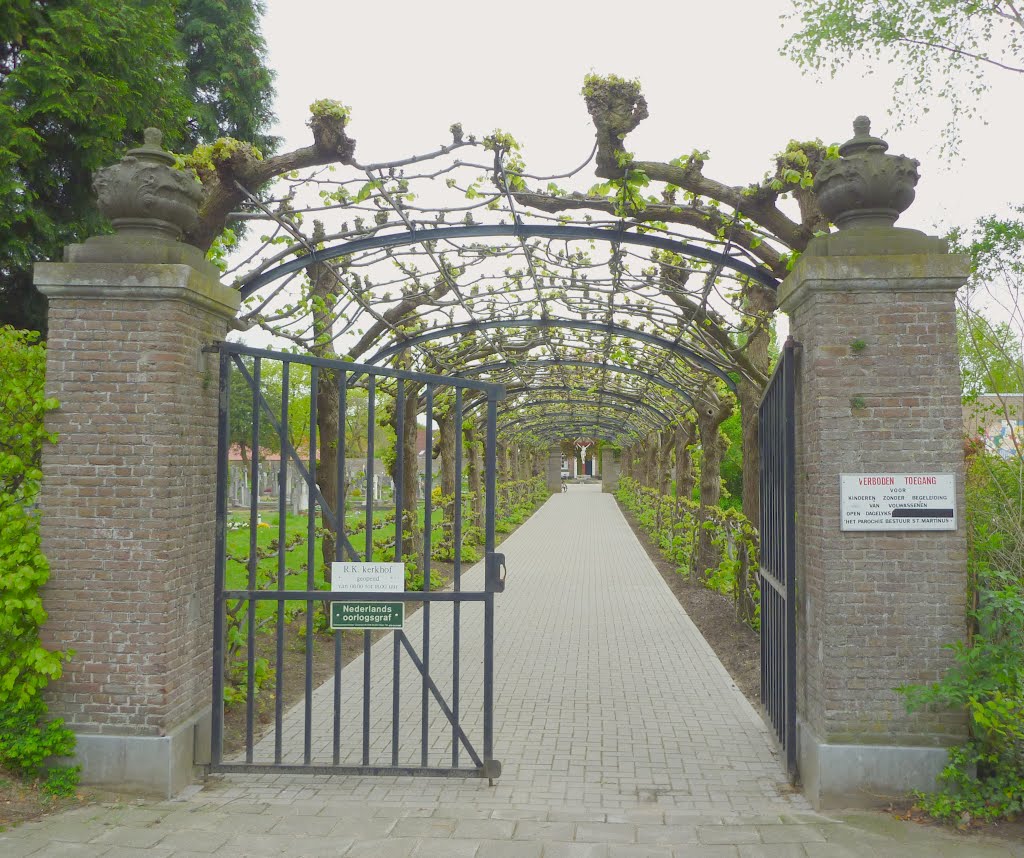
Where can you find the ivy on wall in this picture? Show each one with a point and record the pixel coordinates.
(27, 740)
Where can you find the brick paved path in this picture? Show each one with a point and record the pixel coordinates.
(620, 733)
(605, 692)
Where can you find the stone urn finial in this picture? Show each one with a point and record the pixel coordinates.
(145, 196)
(865, 186)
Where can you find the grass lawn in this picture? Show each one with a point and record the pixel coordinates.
(296, 538)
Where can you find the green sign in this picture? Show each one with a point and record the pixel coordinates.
(367, 615)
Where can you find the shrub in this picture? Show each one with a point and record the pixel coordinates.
(26, 666)
(673, 523)
(985, 776)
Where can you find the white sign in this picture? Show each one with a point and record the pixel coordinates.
(347, 577)
(897, 502)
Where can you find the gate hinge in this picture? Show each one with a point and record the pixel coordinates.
(494, 572)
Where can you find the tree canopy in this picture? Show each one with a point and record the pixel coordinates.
(655, 300)
(79, 79)
(990, 318)
(946, 50)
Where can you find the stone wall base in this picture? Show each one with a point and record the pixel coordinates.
(153, 765)
(838, 776)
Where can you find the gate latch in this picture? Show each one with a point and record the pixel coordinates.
(495, 571)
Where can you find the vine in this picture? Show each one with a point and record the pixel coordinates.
(675, 523)
(27, 739)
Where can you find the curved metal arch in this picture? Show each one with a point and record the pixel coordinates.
(571, 420)
(516, 230)
(584, 364)
(571, 324)
(648, 421)
(566, 429)
(514, 390)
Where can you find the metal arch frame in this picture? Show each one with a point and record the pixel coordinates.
(518, 389)
(585, 364)
(555, 429)
(646, 420)
(515, 230)
(571, 324)
(530, 421)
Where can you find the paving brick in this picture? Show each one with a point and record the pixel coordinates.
(614, 718)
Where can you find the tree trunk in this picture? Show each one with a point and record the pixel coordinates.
(476, 473)
(327, 398)
(686, 434)
(523, 471)
(711, 413)
(323, 288)
(666, 439)
(761, 303)
(449, 437)
(651, 461)
(412, 535)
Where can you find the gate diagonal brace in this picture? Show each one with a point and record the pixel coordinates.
(290, 450)
(440, 700)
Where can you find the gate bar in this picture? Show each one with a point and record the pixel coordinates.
(314, 390)
(399, 490)
(428, 514)
(457, 560)
(220, 560)
(282, 535)
(492, 436)
(789, 406)
(254, 496)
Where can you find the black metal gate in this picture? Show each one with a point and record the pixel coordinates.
(778, 552)
(272, 571)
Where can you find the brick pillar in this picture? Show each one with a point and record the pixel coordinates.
(128, 496)
(878, 393)
(610, 469)
(554, 470)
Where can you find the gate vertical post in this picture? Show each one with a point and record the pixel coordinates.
(129, 491)
(878, 393)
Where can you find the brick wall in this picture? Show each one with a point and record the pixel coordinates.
(876, 609)
(128, 511)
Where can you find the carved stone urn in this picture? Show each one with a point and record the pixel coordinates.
(865, 187)
(144, 195)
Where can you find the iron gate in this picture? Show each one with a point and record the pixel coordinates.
(269, 402)
(778, 552)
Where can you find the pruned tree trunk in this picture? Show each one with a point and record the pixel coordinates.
(324, 290)
(761, 305)
(686, 477)
(666, 441)
(712, 411)
(651, 461)
(449, 438)
(412, 535)
(475, 449)
(327, 398)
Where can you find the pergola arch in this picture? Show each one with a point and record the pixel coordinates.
(517, 230)
(561, 427)
(572, 419)
(607, 328)
(648, 308)
(582, 409)
(660, 381)
(619, 396)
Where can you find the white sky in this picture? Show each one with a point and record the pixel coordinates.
(711, 73)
